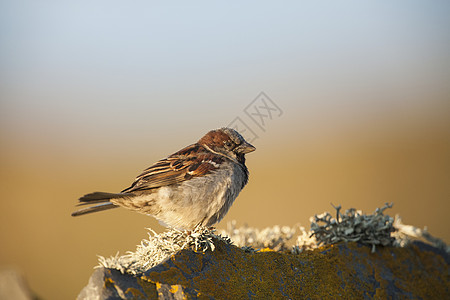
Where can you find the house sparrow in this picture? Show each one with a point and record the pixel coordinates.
(192, 187)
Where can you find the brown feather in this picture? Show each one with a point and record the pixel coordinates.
(175, 169)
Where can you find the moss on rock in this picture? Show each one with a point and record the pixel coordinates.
(345, 270)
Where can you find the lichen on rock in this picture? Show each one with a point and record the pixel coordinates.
(158, 247)
(374, 230)
(330, 260)
(354, 226)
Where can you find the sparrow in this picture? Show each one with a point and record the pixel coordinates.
(195, 186)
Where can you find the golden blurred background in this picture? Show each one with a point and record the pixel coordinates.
(93, 93)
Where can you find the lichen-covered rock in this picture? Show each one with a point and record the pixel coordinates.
(345, 270)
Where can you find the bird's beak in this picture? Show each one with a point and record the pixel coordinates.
(246, 148)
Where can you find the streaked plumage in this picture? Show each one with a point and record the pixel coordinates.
(194, 186)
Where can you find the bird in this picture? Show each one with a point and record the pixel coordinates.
(195, 186)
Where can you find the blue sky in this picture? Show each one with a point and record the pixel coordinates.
(112, 66)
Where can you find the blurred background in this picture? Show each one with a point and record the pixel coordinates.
(94, 92)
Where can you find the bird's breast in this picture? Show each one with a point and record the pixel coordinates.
(202, 200)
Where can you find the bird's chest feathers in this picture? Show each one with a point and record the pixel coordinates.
(207, 197)
(217, 188)
(226, 187)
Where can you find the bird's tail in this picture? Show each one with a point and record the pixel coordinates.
(97, 197)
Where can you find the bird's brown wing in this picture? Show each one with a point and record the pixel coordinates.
(192, 161)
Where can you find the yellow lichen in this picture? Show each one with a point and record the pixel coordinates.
(137, 294)
(265, 250)
(322, 273)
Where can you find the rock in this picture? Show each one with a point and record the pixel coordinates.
(14, 286)
(345, 270)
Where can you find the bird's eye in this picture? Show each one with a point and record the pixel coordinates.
(228, 144)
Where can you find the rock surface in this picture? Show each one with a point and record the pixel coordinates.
(345, 270)
(14, 286)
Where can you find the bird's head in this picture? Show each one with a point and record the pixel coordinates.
(227, 142)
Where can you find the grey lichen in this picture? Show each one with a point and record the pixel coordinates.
(305, 241)
(374, 230)
(161, 246)
(275, 238)
(354, 226)
(405, 234)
